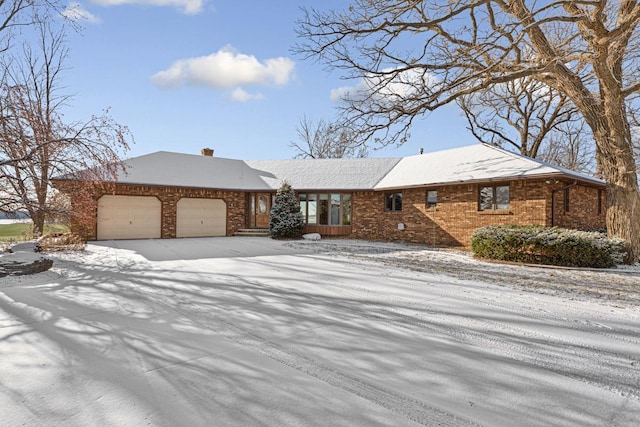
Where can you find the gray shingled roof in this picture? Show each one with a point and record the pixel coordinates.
(186, 170)
(473, 163)
(324, 174)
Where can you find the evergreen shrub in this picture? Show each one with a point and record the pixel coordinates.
(551, 246)
(286, 219)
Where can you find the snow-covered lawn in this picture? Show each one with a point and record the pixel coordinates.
(251, 331)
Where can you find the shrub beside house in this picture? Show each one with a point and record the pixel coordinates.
(551, 246)
(285, 218)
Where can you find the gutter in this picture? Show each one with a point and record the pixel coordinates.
(553, 200)
(554, 175)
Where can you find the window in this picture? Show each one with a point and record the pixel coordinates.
(345, 208)
(312, 204)
(262, 204)
(566, 200)
(493, 198)
(432, 199)
(393, 202)
(335, 209)
(325, 208)
(599, 202)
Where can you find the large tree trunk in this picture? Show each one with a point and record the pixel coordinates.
(623, 216)
(38, 223)
(623, 198)
(606, 115)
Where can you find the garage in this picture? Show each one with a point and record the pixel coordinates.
(129, 217)
(201, 218)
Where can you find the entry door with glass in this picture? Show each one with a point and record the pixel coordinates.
(260, 205)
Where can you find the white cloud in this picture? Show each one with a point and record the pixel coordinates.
(190, 7)
(393, 88)
(242, 95)
(227, 69)
(347, 92)
(76, 12)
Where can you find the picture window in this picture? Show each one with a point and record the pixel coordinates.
(491, 198)
(325, 208)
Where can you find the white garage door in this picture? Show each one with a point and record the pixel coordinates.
(201, 218)
(129, 217)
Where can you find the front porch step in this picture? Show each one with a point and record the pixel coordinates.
(255, 232)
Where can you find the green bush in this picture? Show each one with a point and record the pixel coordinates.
(286, 219)
(552, 246)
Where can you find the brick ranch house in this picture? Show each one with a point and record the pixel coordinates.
(437, 198)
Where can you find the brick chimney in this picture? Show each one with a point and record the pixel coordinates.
(207, 152)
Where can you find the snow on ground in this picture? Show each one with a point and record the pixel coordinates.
(14, 221)
(615, 286)
(251, 331)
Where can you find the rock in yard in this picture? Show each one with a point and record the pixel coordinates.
(23, 263)
(25, 247)
(311, 236)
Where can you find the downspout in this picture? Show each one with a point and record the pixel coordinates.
(553, 201)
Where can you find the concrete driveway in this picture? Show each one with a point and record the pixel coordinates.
(250, 331)
(206, 248)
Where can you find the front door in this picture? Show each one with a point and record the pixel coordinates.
(260, 207)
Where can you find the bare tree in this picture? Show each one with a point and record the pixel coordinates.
(634, 114)
(570, 145)
(520, 114)
(34, 138)
(322, 140)
(588, 51)
(532, 118)
(23, 13)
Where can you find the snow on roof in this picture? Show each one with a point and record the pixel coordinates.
(478, 162)
(187, 170)
(325, 174)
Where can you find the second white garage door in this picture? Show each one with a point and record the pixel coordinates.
(201, 218)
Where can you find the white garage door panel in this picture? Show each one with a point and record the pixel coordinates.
(201, 218)
(129, 217)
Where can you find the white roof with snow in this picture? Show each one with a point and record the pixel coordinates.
(473, 163)
(186, 170)
(324, 174)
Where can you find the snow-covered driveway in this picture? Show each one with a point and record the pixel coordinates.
(250, 331)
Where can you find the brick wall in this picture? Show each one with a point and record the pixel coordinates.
(456, 216)
(582, 206)
(169, 197)
(451, 223)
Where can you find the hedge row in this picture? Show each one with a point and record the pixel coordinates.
(552, 246)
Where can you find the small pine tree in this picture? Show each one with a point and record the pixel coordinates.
(286, 219)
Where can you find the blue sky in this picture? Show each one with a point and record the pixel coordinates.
(188, 74)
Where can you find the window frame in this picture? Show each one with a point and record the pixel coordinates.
(600, 201)
(494, 198)
(433, 205)
(336, 207)
(394, 197)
